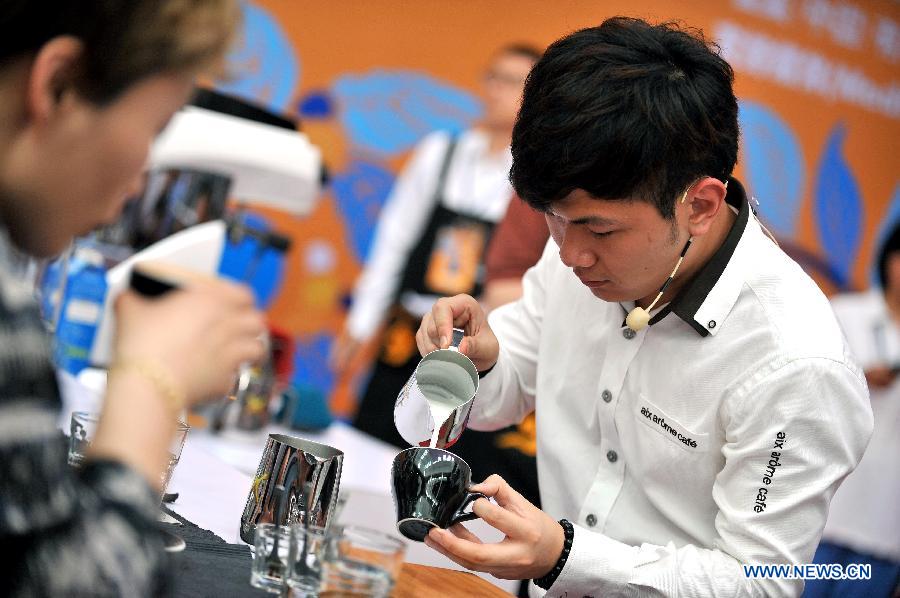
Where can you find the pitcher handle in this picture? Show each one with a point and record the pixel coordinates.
(461, 514)
(457, 337)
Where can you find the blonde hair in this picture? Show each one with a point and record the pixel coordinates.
(124, 40)
(160, 37)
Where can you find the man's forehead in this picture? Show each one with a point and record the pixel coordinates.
(581, 207)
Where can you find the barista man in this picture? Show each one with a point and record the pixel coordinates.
(431, 239)
(696, 406)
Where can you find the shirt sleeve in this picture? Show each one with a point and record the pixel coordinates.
(790, 439)
(65, 532)
(506, 393)
(400, 224)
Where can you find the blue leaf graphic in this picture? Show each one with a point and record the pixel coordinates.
(312, 381)
(774, 166)
(838, 207)
(311, 362)
(387, 112)
(263, 66)
(361, 191)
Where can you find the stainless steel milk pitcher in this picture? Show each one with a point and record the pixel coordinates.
(446, 375)
(297, 482)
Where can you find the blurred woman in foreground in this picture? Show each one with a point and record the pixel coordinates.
(84, 89)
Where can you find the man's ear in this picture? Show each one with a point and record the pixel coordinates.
(52, 75)
(704, 200)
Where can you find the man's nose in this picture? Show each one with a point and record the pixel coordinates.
(573, 249)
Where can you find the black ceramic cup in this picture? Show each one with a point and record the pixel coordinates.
(430, 488)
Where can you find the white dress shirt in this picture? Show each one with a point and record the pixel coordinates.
(714, 437)
(477, 184)
(865, 512)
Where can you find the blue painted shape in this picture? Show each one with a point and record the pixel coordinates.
(774, 165)
(263, 67)
(888, 222)
(260, 268)
(388, 111)
(838, 207)
(312, 382)
(316, 105)
(360, 192)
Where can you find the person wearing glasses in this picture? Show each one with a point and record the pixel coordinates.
(431, 239)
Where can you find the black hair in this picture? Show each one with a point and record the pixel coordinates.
(625, 110)
(26, 25)
(890, 246)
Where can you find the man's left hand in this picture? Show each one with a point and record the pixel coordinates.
(530, 549)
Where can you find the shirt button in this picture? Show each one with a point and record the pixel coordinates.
(591, 520)
(711, 324)
(606, 396)
(612, 456)
(628, 333)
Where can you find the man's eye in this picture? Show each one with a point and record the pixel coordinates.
(604, 234)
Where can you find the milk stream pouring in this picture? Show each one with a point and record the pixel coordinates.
(441, 409)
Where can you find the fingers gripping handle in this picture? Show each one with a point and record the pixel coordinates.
(458, 335)
(461, 514)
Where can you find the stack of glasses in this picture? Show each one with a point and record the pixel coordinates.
(308, 561)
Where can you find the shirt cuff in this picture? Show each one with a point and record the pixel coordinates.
(597, 566)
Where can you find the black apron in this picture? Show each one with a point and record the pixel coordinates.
(449, 257)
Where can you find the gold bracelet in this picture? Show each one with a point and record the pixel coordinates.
(158, 376)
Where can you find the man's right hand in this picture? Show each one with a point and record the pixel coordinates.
(343, 352)
(461, 311)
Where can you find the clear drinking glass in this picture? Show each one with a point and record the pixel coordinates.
(305, 560)
(82, 427)
(271, 557)
(175, 448)
(360, 561)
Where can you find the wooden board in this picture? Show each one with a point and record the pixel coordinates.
(419, 581)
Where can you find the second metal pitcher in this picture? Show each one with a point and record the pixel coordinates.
(297, 482)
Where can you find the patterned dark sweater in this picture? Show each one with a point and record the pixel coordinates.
(62, 532)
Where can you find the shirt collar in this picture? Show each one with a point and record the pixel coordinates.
(691, 303)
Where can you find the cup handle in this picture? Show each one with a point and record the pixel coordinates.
(461, 514)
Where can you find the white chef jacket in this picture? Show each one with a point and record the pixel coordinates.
(714, 437)
(865, 512)
(477, 184)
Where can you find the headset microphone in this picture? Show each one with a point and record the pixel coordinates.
(638, 318)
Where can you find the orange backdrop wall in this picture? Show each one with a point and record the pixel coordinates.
(818, 81)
